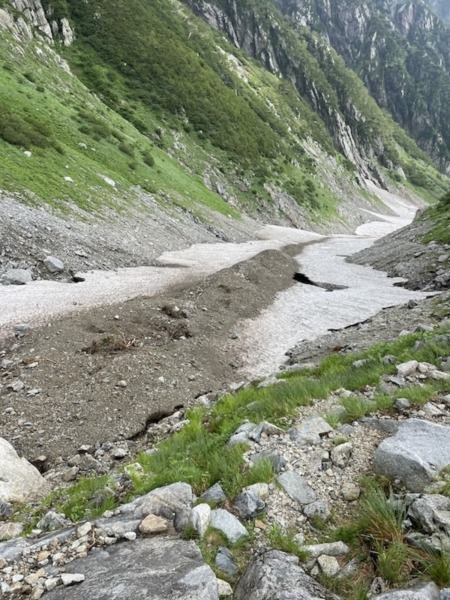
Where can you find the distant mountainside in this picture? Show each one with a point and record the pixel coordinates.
(400, 50)
(150, 98)
(441, 7)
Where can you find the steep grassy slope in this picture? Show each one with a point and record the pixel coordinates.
(162, 104)
(439, 215)
(72, 134)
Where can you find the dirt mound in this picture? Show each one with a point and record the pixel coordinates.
(103, 375)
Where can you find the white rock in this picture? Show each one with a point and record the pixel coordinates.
(408, 368)
(84, 529)
(19, 481)
(200, 518)
(72, 578)
(329, 565)
(225, 590)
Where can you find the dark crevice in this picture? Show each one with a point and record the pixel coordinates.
(153, 419)
(329, 287)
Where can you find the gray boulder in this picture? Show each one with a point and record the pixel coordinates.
(156, 568)
(19, 481)
(249, 505)
(54, 265)
(214, 494)
(431, 512)
(278, 461)
(310, 431)
(276, 575)
(17, 277)
(415, 454)
(296, 487)
(224, 562)
(227, 523)
(428, 591)
(173, 502)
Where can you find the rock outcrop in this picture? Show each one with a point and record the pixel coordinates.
(276, 575)
(160, 568)
(30, 19)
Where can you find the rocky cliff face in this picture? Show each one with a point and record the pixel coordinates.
(28, 18)
(402, 53)
(301, 61)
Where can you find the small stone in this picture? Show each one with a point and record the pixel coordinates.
(17, 277)
(317, 509)
(296, 487)
(119, 453)
(402, 404)
(407, 369)
(16, 386)
(153, 525)
(225, 590)
(340, 455)
(249, 505)
(350, 491)
(329, 565)
(224, 562)
(72, 578)
(228, 524)
(200, 518)
(333, 549)
(54, 265)
(50, 584)
(84, 529)
(130, 536)
(70, 474)
(9, 531)
(214, 494)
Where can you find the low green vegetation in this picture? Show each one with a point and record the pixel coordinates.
(439, 215)
(378, 532)
(285, 542)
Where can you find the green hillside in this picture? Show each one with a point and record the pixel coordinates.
(159, 103)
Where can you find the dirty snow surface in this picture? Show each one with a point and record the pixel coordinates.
(301, 312)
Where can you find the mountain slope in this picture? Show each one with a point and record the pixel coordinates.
(158, 106)
(402, 53)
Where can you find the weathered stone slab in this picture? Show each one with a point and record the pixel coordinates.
(276, 575)
(156, 568)
(20, 482)
(415, 454)
(296, 487)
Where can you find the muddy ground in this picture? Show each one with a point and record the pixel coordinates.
(104, 375)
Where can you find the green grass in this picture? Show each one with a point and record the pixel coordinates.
(71, 133)
(284, 541)
(439, 216)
